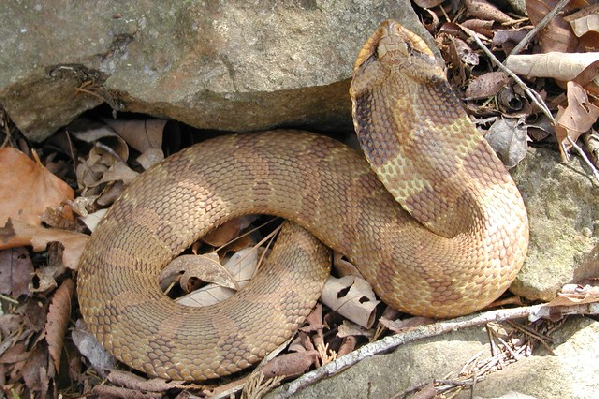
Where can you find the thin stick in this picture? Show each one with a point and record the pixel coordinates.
(533, 95)
(583, 155)
(542, 24)
(432, 330)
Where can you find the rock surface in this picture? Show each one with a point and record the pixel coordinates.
(570, 374)
(214, 65)
(563, 208)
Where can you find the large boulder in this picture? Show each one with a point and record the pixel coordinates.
(214, 65)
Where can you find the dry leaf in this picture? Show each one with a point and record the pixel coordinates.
(487, 85)
(290, 365)
(57, 320)
(482, 26)
(18, 234)
(351, 297)
(92, 219)
(574, 294)
(349, 329)
(576, 119)
(226, 232)
(150, 157)
(585, 20)
(464, 52)
(118, 171)
(107, 142)
(28, 189)
(557, 35)
(202, 268)
(37, 371)
(242, 266)
(89, 347)
(140, 134)
(506, 40)
(15, 272)
(560, 66)
(130, 380)
(508, 138)
(485, 10)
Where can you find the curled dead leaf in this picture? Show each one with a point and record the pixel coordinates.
(486, 10)
(28, 189)
(91, 348)
(508, 138)
(351, 297)
(241, 267)
(17, 234)
(202, 268)
(57, 320)
(576, 119)
(560, 66)
(140, 134)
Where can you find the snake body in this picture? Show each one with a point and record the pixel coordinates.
(441, 231)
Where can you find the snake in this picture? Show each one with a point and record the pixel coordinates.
(426, 212)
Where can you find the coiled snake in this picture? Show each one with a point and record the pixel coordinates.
(442, 233)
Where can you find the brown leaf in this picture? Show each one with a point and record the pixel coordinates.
(130, 380)
(241, 267)
(140, 134)
(28, 189)
(36, 371)
(584, 20)
(557, 35)
(576, 119)
(150, 157)
(348, 344)
(18, 234)
(225, 233)
(202, 268)
(57, 320)
(118, 171)
(589, 78)
(574, 294)
(292, 364)
(485, 10)
(506, 40)
(487, 85)
(482, 26)
(15, 272)
(464, 52)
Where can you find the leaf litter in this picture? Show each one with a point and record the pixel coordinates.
(41, 223)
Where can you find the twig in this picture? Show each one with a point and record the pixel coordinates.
(542, 23)
(533, 95)
(432, 330)
(583, 155)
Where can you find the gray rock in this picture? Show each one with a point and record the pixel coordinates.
(563, 208)
(570, 373)
(223, 65)
(410, 365)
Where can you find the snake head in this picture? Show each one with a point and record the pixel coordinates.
(393, 47)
